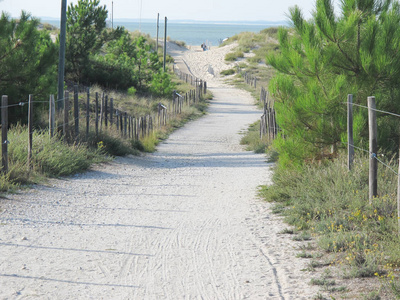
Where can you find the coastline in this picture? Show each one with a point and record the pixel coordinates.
(190, 33)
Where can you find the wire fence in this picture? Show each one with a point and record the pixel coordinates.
(268, 126)
(83, 114)
(372, 154)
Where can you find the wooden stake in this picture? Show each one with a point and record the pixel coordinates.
(96, 109)
(4, 132)
(30, 131)
(52, 116)
(111, 111)
(350, 140)
(66, 111)
(106, 111)
(76, 111)
(373, 148)
(87, 112)
(398, 194)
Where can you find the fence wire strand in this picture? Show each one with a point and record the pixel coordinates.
(375, 156)
(374, 109)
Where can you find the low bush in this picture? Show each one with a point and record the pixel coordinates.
(331, 202)
(228, 72)
(232, 56)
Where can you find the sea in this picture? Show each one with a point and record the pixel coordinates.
(192, 33)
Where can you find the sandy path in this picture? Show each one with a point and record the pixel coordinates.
(184, 223)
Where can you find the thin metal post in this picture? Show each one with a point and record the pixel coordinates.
(158, 26)
(165, 43)
(61, 60)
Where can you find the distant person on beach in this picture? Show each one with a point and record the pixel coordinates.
(204, 47)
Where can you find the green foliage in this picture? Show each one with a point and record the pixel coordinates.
(50, 157)
(232, 56)
(28, 62)
(332, 203)
(324, 59)
(131, 91)
(112, 59)
(161, 84)
(228, 72)
(109, 143)
(86, 23)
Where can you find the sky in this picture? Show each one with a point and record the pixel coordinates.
(204, 10)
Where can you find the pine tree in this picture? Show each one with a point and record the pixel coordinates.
(324, 59)
(86, 24)
(28, 62)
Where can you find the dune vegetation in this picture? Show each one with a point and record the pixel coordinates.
(309, 70)
(122, 64)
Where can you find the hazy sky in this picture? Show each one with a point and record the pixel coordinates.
(205, 10)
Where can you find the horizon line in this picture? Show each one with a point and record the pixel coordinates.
(262, 22)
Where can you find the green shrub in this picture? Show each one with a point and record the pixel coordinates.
(131, 91)
(161, 84)
(332, 202)
(230, 56)
(228, 72)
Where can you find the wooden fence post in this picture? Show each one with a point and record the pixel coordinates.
(134, 128)
(129, 126)
(121, 126)
(76, 111)
(30, 131)
(373, 148)
(66, 112)
(87, 112)
(96, 114)
(398, 194)
(350, 140)
(111, 111)
(117, 119)
(125, 124)
(106, 111)
(101, 112)
(52, 116)
(4, 132)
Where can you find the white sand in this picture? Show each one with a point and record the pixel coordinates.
(206, 65)
(183, 223)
